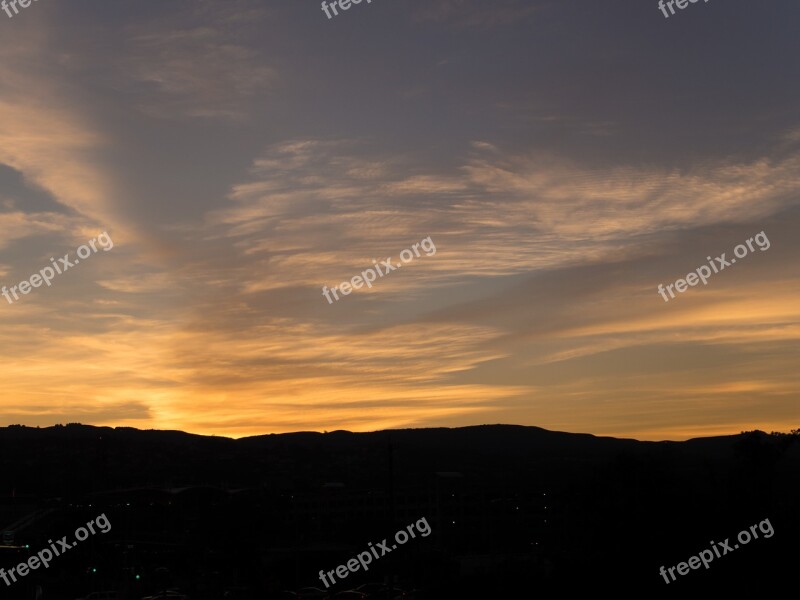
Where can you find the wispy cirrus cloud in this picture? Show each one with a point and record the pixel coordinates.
(240, 164)
(200, 66)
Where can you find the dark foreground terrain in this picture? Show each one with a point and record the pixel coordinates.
(513, 512)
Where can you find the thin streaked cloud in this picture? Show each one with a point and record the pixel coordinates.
(564, 160)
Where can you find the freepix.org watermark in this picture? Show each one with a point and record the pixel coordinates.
(343, 4)
(47, 274)
(43, 557)
(718, 264)
(365, 558)
(679, 3)
(370, 275)
(706, 556)
(5, 4)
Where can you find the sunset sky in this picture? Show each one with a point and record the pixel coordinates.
(565, 158)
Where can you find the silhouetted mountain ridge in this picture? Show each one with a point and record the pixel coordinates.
(545, 504)
(78, 456)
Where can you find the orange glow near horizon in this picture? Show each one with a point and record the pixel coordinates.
(209, 151)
